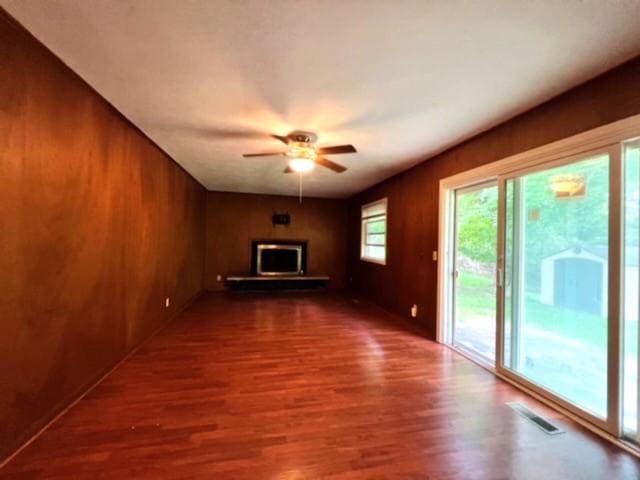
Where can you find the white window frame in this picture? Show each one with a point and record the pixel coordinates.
(364, 220)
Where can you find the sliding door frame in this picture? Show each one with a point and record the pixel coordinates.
(612, 422)
(608, 137)
(451, 266)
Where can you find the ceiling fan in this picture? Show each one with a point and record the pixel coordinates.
(304, 154)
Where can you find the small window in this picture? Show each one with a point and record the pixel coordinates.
(373, 246)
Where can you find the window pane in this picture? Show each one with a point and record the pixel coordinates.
(559, 250)
(376, 226)
(631, 293)
(374, 252)
(375, 239)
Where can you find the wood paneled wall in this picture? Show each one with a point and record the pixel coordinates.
(97, 227)
(234, 219)
(410, 274)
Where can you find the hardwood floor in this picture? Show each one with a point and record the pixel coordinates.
(305, 386)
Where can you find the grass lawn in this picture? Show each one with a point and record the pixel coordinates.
(563, 349)
(476, 297)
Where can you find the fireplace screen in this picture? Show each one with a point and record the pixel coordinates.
(279, 259)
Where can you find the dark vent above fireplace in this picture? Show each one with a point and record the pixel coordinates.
(278, 257)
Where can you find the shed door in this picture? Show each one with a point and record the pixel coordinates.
(578, 284)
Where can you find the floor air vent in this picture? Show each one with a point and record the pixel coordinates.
(543, 424)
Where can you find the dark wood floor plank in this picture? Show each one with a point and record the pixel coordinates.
(305, 386)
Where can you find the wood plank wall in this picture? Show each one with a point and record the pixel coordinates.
(410, 274)
(234, 219)
(97, 227)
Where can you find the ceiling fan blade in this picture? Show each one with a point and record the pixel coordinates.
(337, 150)
(284, 140)
(288, 169)
(271, 154)
(336, 167)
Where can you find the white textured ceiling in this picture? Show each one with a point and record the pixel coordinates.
(401, 80)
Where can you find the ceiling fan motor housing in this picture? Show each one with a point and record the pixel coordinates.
(302, 145)
(303, 137)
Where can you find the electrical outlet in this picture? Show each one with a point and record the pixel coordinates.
(167, 302)
(219, 278)
(414, 310)
(434, 255)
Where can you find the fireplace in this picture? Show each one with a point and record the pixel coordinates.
(278, 265)
(278, 257)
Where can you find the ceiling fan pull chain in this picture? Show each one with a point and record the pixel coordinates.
(300, 186)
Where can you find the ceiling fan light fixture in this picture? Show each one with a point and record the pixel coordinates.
(303, 153)
(301, 164)
(302, 150)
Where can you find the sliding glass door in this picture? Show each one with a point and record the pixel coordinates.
(557, 253)
(541, 278)
(474, 270)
